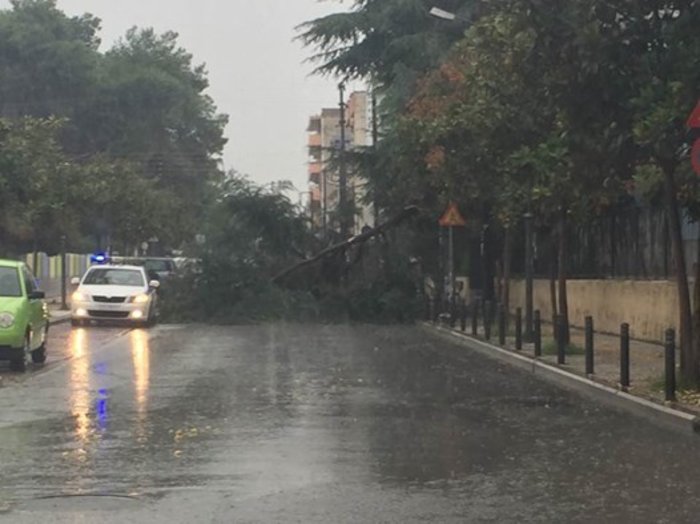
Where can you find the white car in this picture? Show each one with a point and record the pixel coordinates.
(114, 292)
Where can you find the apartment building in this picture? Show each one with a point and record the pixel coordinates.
(324, 135)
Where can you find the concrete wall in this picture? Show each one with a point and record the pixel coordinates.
(650, 307)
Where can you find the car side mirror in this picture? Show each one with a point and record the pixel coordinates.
(154, 284)
(75, 281)
(37, 295)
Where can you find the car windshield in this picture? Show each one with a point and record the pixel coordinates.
(9, 282)
(114, 277)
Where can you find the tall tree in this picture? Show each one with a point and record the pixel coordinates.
(48, 60)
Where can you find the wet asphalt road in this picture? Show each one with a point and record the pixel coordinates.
(319, 424)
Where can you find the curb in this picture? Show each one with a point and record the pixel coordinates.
(56, 321)
(656, 413)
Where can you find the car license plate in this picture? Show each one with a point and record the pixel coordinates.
(109, 307)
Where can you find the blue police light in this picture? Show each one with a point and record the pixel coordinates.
(99, 258)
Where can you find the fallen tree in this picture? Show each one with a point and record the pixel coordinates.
(342, 247)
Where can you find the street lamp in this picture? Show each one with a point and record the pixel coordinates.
(442, 14)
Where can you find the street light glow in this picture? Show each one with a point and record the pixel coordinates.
(441, 13)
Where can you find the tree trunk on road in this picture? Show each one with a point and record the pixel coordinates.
(689, 371)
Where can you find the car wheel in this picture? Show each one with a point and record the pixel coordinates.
(20, 364)
(39, 355)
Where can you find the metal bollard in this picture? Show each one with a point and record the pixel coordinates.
(561, 345)
(463, 315)
(537, 333)
(519, 329)
(475, 318)
(453, 312)
(502, 326)
(487, 320)
(435, 310)
(625, 356)
(670, 354)
(589, 346)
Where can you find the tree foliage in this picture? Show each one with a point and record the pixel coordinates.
(569, 109)
(130, 134)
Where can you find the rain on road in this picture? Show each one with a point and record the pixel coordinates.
(292, 423)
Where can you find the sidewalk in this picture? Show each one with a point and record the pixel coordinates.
(646, 362)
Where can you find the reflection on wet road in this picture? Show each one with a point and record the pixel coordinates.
(318, 424)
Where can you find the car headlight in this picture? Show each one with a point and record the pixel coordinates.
(80, 297)
(6, 320)
(140, 299)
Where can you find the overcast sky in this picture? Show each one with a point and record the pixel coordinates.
(256, 70)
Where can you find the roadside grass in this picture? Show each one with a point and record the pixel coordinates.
(686, 393)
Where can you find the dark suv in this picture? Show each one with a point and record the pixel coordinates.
(157, 268)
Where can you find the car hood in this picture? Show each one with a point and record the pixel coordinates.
(111, 291)
(10, 304)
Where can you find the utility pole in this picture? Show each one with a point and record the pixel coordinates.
(64, 275)
(375, 141)
(343, 189)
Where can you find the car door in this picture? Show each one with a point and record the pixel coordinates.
(37, 310)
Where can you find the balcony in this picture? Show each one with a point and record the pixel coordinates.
(315, 140)
(314, 124)
(315, 170)
(315, 146)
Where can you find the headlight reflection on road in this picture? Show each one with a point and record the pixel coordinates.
(140, 356)
(80, 389)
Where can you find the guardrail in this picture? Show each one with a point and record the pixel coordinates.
(486, 317)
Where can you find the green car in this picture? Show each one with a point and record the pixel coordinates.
(24, 316)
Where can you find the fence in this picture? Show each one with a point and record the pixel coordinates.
(599, 357)
(633, 242)
(48, 270)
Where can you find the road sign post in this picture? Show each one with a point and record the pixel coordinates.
(450, 219)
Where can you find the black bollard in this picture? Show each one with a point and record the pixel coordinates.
(453, 312)
(435, 310)
(463, 315)
(625, 356)
(475, 318)
(561, 343)
(502, 326)
(670, 354)
(589, 346)
(487, 320)
(519, 329)
(537, 333)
